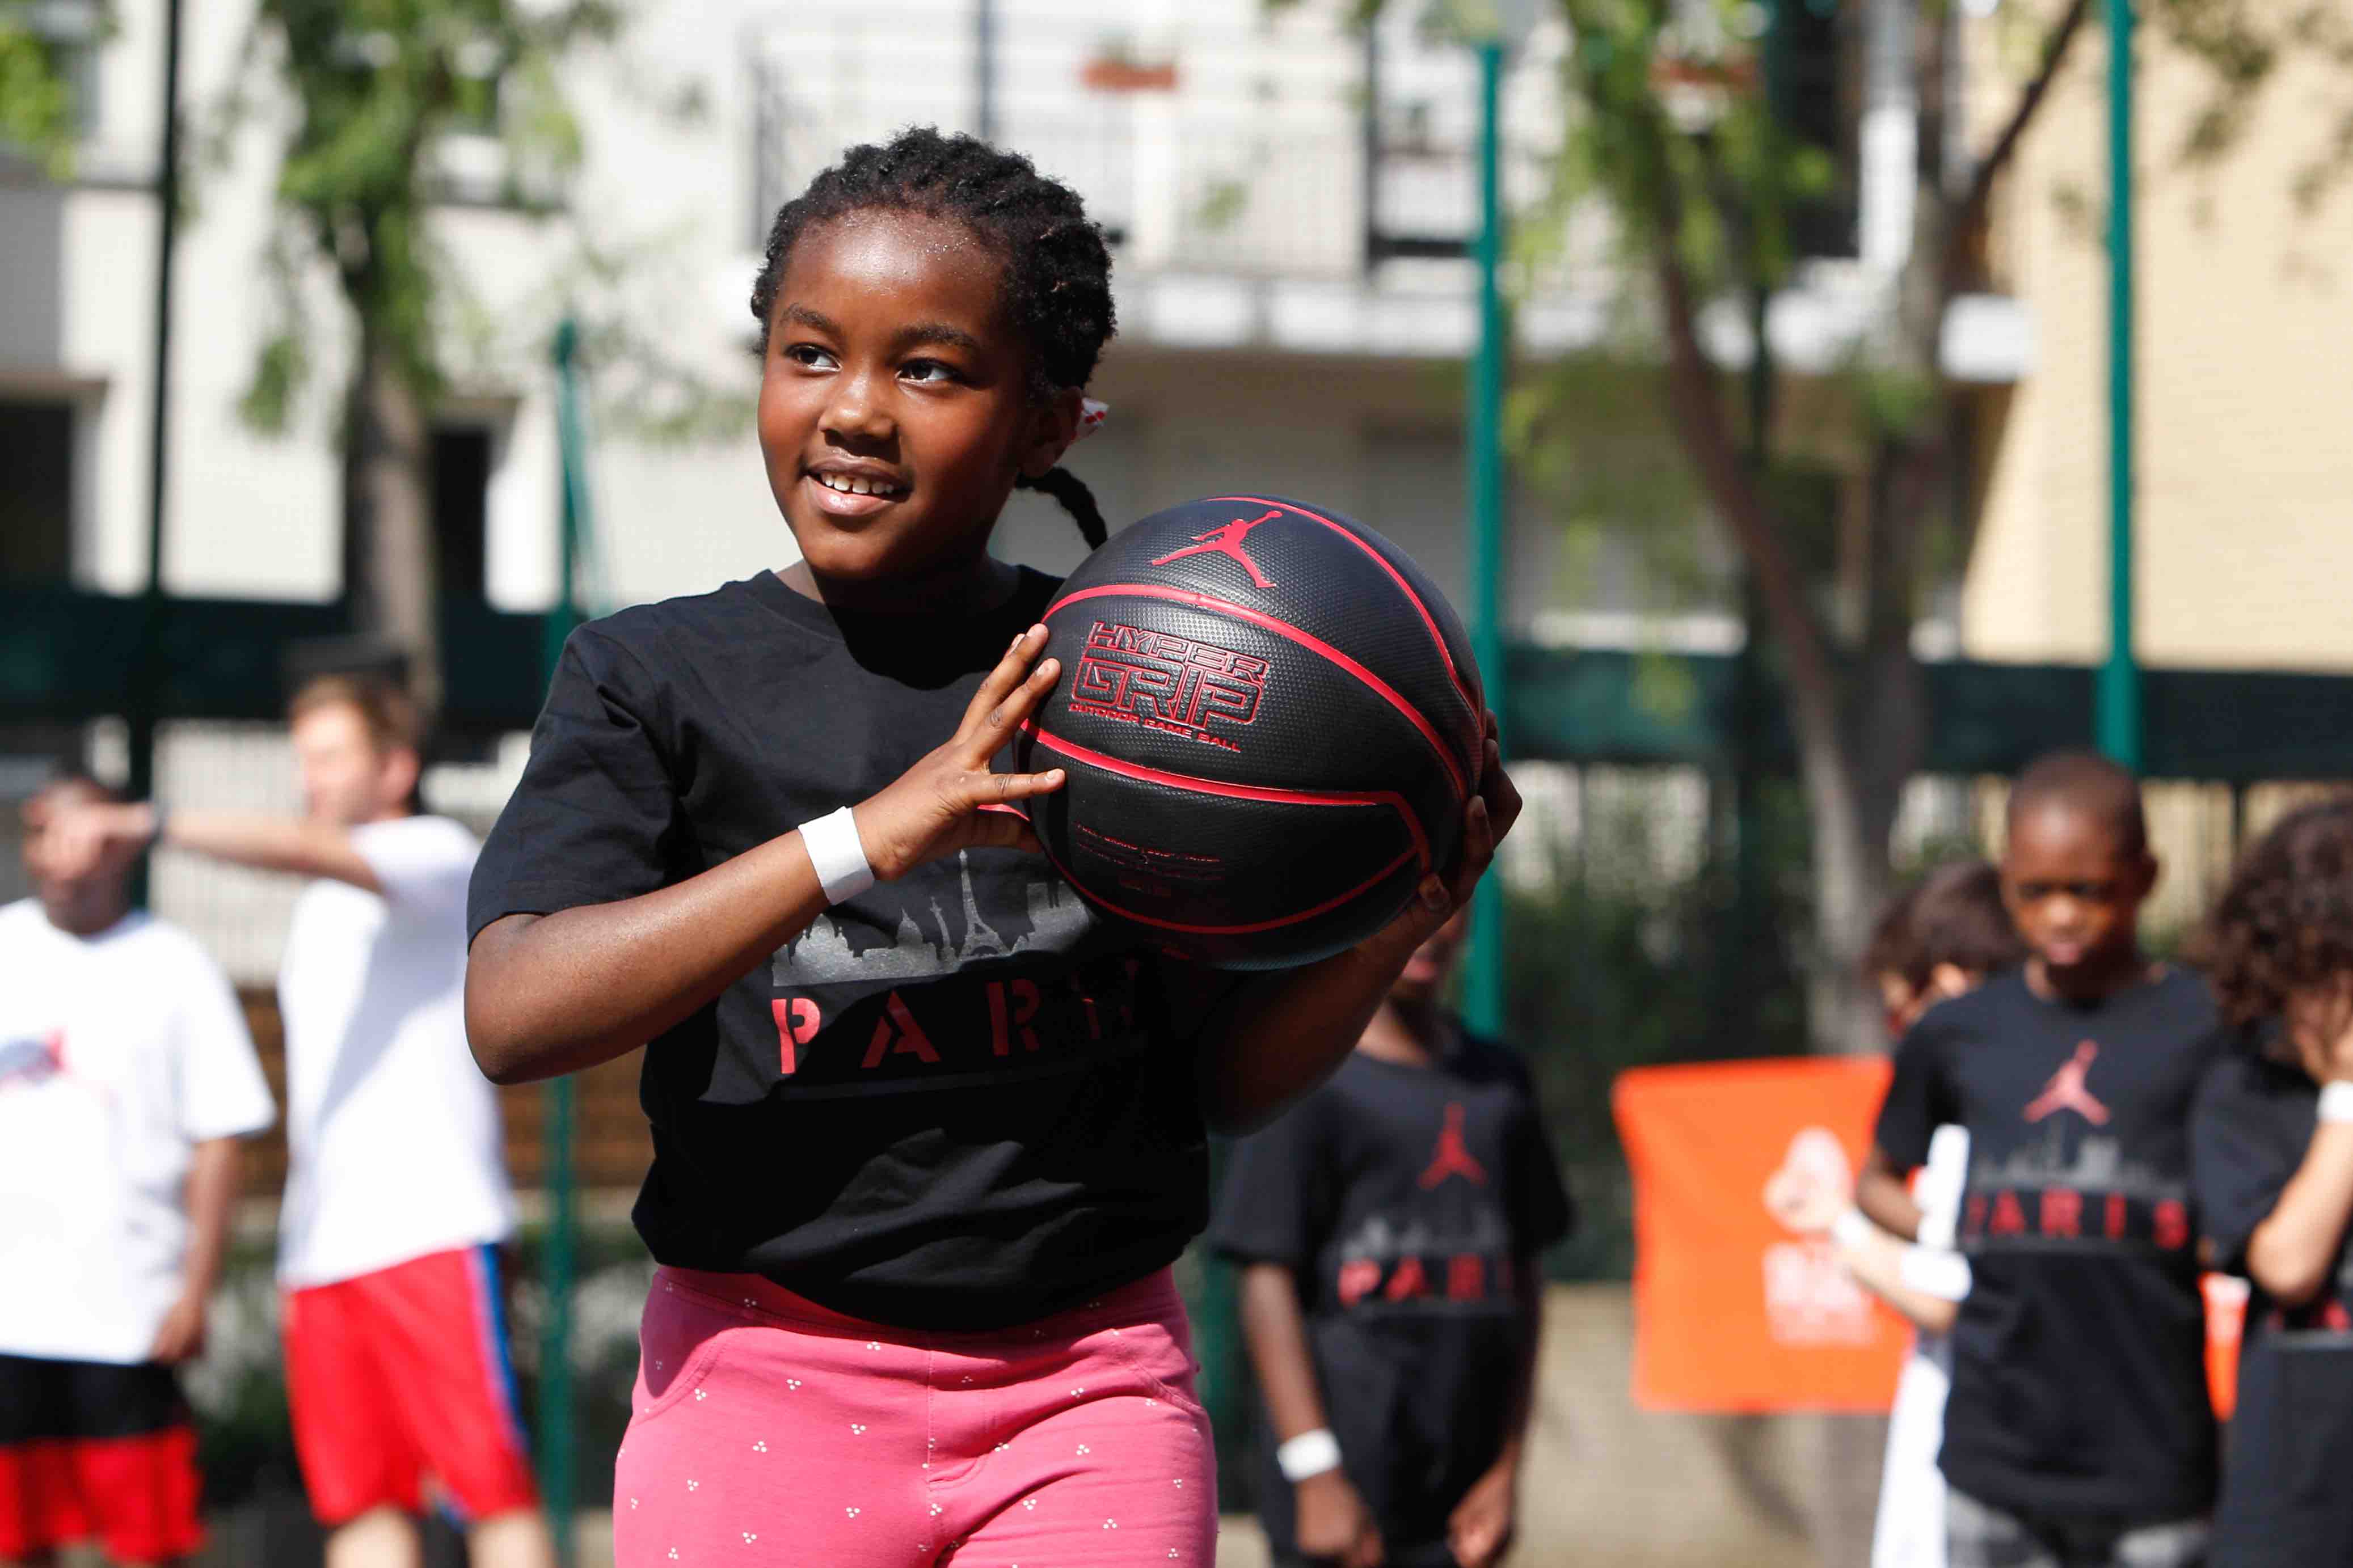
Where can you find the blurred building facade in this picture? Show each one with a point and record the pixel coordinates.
(2244, 520)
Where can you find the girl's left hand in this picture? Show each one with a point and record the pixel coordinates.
(1487, 816)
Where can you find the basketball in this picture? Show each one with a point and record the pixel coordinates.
(1271, 722)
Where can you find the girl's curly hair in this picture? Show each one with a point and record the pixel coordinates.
(2285, 920)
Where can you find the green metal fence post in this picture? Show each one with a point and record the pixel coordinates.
(557, 1450)
(2119, 690)
(1484, 978)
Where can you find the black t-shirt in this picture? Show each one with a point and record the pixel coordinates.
(955, 1100)
(1404, 1197)
(2284, 1500)
(2079, 1382)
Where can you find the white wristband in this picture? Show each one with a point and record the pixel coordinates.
(2336, 1100)
(1308, 1454)
(1852, 1228)
(834, 849)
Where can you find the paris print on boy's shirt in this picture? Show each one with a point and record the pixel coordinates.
(2079, 1366)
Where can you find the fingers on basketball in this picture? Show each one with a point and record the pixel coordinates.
(1006, 679)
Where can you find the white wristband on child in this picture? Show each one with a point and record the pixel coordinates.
(2336, 1100)
(1309, 1455)
(840, 859)
(1852, 1228)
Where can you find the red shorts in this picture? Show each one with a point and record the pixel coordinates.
(401, 1376)
(90, 1451)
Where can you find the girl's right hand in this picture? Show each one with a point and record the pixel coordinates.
(950, 800)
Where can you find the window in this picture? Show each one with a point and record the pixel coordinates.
(1808, 59)
(462, 458)
(36, 454)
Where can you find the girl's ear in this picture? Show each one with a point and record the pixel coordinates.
(1053, 425)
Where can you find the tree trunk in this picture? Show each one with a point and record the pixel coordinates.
(390, 570)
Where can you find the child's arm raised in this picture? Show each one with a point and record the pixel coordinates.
(547, 994)
(1273, 1037)
(2292, 1254)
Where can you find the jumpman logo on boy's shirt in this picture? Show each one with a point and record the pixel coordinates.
(1226, 539)
(1452, 1157)
(2067, 1091)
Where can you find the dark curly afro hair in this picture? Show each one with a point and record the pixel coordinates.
(1057, 265)
(2285, 921)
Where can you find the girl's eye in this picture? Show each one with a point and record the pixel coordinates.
(811, 355)
(928, 372)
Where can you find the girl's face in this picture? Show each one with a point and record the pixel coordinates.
(894, 403)
(2320, 1019)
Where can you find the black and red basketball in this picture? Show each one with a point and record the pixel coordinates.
(1271, 722)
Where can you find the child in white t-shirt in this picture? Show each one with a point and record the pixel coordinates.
(1936, 941)
(126, 1080)
(398, 1379)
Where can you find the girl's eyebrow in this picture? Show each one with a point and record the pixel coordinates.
(938, 333)
(815, 321)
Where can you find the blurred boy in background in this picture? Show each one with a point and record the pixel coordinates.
(126, 1078)
(2078, 1432)
(2275, 1158)
(1388, 1226)
(1941, 938)
(396, 1196)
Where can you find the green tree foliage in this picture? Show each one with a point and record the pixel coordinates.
(1679, 124)
(375, 90)
(377, 86)
(37, 105)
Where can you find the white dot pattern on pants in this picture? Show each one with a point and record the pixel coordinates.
(850, 1511)
(700, 1396)
(763, 1448)
(857, 1429)
(1084, 1449)
(748, 1536)
(1111, 1524)
(694, 1486)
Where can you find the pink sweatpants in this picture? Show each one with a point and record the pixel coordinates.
(767, 1429)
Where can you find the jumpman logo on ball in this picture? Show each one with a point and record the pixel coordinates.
(1452, 1157)
(2066, 1090)
(1226, 539)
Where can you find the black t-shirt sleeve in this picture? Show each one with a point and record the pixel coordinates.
(1919, 1097)
(1273, 1208)
(2239, 1160)
(1541, 1209)
(597, 813)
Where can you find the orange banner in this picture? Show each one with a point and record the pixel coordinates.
(1731, 1312)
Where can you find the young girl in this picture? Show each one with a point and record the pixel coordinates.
(2274, 1142)
(927, 1134)
(1939, 940)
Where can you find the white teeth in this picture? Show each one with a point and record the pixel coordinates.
(852, 485)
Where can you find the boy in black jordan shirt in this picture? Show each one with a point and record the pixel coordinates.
(2078, 1433)
(1389, 1226)
(2274, 1149)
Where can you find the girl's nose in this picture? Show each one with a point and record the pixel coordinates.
(859, 409)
